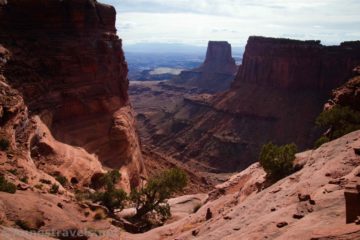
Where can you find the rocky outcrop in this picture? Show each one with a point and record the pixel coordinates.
(68, 63)
(348, 94)
(215, 74)
(64, 116)
(31, 159)
(219, 58)
(308, 204)
(279, 91)
(297, 65)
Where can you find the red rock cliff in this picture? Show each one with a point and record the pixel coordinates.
(297, 65)
(215, 74)
(68, 63)
(219, 58)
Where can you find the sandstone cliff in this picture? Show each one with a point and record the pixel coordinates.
(65, 116)
(67, 62)
(215, 74)
(297, 65)
(31, 159)
(279, 91)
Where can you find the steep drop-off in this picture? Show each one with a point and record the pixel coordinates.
(68, 63)
(215, 74)
(279, 91)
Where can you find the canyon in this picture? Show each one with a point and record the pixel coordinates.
(278, 92)
(68, 111)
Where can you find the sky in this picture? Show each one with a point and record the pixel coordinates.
(196, 22)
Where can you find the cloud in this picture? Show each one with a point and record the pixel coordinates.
(126, 25)
(197, 21)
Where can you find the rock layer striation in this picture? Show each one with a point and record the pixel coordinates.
(68, 63)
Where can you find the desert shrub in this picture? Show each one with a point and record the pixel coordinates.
(6, 186)
(62, 180)
(340, 120)
(24, 179)
(321, 141)
(23, 225)
(277, 161)
(54, 189)
(13, 171)
(153, 196)
(82, 195)
(112, 198)
(109, 179)
(29, 226)
(39, 186)
(45, 181)
(4, 144)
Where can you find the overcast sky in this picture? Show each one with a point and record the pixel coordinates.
(197, 21)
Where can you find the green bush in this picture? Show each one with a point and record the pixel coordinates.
(39, 186)
(62, 180)
(4, 144)
(45, 181)
(321, 141)
(23, 225)
(109, 179)
(111, 197)
(6, 186)
(340, 120)
(277, 161)
(13, 171)
(24, 179)
(54, 189)
(153, 196)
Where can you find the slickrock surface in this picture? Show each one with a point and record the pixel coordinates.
(68, 63)
(242, 209)
(215, 74)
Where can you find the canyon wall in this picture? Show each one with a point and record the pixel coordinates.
(215, 74)
(68, 64)
(297, 65)
(279, 91)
